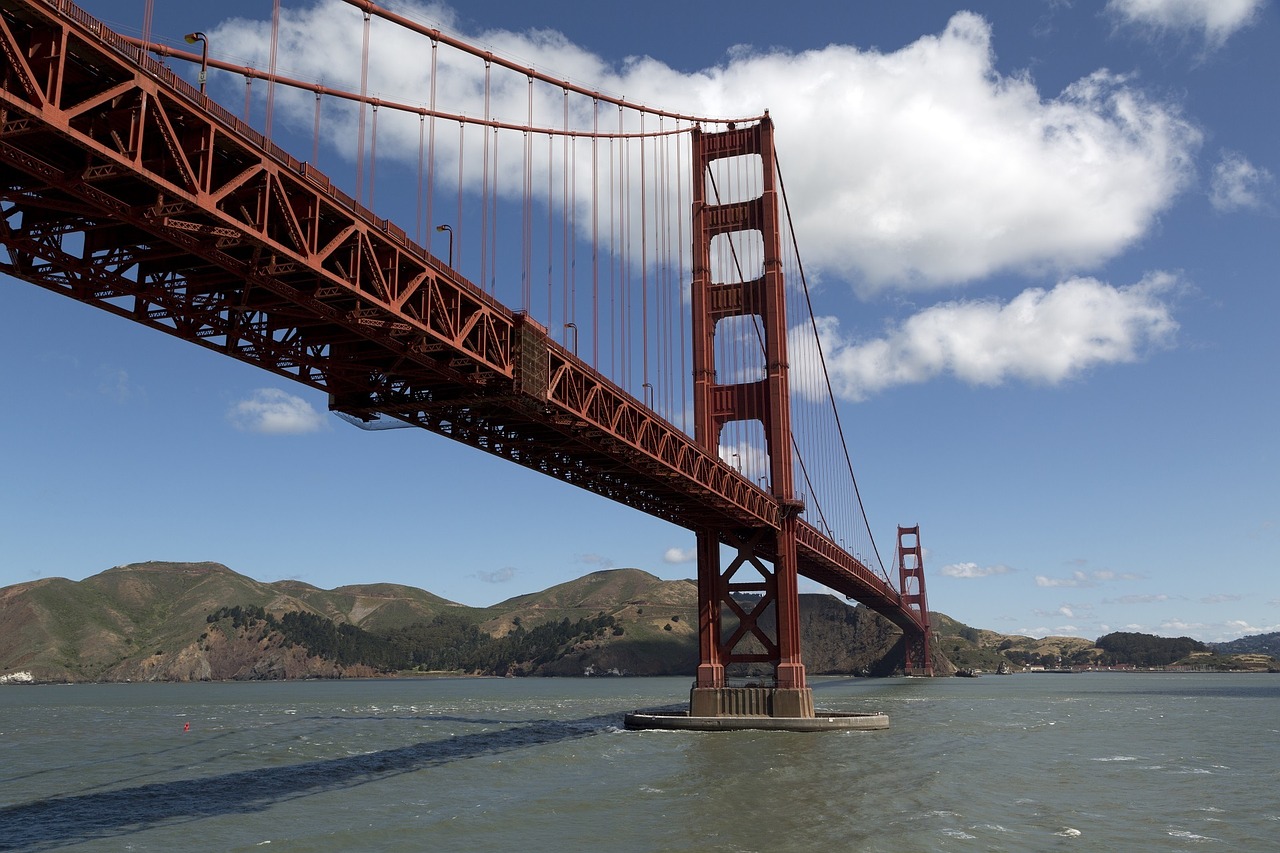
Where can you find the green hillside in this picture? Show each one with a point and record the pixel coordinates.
(203, 621)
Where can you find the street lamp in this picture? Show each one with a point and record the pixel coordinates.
(450, 230)
(192, 38)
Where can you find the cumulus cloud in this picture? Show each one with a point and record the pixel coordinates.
(503, 575)
(973, 570)
(1217, 20)
(1040, 336)
(275, 412)
(1237, 184)
(920, 168)
(680, 555)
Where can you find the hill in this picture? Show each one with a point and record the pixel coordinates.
(1258, 644)
(203, 621)
(149, 621)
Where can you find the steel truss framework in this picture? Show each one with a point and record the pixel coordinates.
(122, 187)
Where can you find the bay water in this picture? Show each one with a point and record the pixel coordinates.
(1027, 762)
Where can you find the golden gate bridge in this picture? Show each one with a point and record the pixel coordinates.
(616, 306)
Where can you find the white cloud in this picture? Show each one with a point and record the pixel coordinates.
(973, 570)
(502, 575)
(680, 555)
(1081, 579)
(1045, 631)
(1137, 599)
(1040, 336)
(1215, 632)
(1221, 598)
(275, 412)
(1237, 184)
(1216, 19)
(920, 167)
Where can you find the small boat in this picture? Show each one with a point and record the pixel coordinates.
(968, 673)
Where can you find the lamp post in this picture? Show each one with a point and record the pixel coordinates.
(192, 38)
(450, 230)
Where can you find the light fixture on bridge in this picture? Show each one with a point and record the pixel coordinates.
(192, 38)
(449, 229)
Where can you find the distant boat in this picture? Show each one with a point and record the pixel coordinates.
(969, 673)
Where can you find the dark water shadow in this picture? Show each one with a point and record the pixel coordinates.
(55, 822)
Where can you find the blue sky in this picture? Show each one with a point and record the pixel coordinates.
(1044, 242)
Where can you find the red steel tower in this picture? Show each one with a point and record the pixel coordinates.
(749, 610)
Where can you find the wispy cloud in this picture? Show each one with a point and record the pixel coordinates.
(114, 383)
(973, 570)
(1081, 580)
(1129, 600)
(1054, 631)
(503, 575)
(1237, 184)
(274, 412)
(1215, 632)
(1040, 337)
(598, 560)
(1216, 20)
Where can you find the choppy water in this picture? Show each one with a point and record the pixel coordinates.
(1017, 763)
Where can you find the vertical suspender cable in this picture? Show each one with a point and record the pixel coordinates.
(148, 12)
(315, 134)
(644, 274)
(624, 193)
(564, 225)
(422, 132)
(493, 223)
(595, 232)
(682, 208)
(364, 91)
(457, 223)
(484, 183)
(431, 139)
(613, 254)
(373, 154)
(526, 215)
(271, 81)
(573, 242)
(550, 229)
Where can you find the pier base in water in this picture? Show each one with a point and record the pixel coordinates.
(821, 722)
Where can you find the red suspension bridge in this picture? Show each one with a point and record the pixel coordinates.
(649, 255)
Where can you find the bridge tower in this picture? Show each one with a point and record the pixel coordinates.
(748, 610)
(911, 582)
